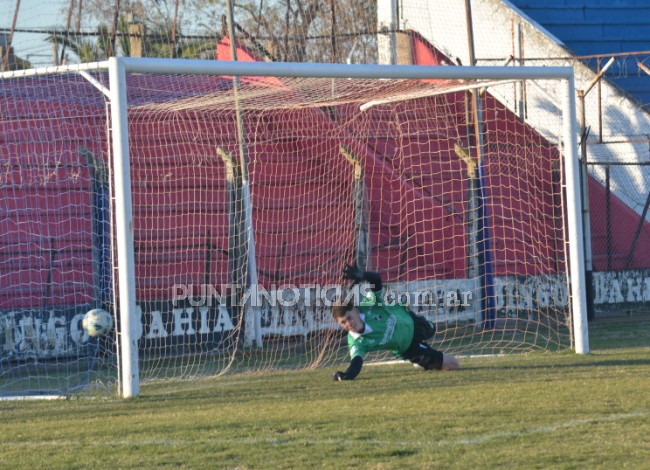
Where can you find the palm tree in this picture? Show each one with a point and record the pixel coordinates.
(86, 50)
(154, 44)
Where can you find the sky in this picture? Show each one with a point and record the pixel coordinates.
(33, 14)
(50, 15)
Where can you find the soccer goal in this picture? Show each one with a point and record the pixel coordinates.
(210, 207)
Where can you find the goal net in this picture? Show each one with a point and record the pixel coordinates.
(212, 215)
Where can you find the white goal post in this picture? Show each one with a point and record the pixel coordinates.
(190, 107)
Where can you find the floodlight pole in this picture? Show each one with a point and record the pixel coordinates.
(589, 270)
(481, 263)
(246, 194)
(5, 59)
(361, 241)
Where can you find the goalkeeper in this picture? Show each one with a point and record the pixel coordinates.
(372, 326)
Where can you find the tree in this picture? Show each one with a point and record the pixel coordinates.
(154, 44)
(312, 30)
(160, 26)
(86, 50)
(290, 30)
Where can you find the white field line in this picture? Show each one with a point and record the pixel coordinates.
(33, 397)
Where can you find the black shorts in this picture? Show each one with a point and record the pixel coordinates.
(423, 329)
(419, 352)
(424, 355)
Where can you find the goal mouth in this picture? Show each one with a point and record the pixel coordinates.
(212, 215)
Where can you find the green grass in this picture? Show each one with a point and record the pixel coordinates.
(523, 411)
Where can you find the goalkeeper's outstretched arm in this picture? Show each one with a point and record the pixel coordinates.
(353, 273)
(351, 372)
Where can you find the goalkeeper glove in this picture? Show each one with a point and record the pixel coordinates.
(338, 376)
(357, 275)
(353, 273)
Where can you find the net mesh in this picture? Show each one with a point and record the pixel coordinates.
(381, 172)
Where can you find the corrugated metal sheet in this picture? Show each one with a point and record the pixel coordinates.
(601, 27)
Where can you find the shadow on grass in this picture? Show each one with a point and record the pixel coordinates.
(588, 363)
(619, 333)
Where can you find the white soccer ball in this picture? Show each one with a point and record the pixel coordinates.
(97, 322)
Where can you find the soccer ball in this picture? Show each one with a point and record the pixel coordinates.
(97, 322)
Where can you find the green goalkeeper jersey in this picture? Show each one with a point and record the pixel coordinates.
(388, 328)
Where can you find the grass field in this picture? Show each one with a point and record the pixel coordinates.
(524, 411)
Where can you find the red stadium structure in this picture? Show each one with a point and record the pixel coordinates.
(48, 150)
